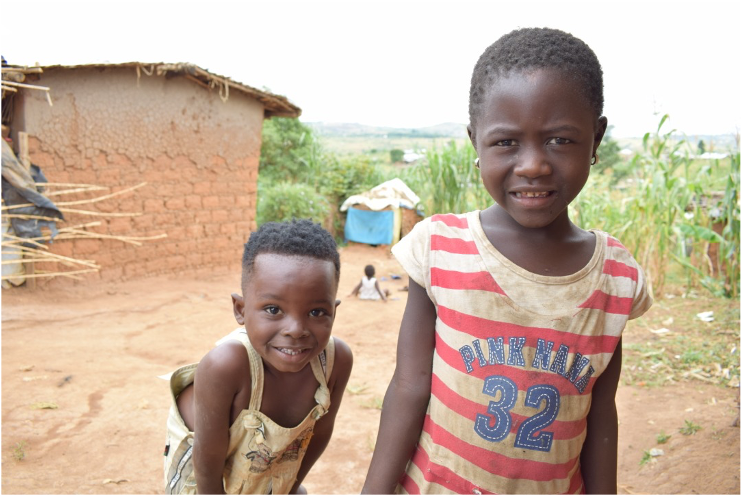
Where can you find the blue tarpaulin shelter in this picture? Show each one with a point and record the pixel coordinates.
(374, 217)
(369, 227)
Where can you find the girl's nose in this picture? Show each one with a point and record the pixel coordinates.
(532, 163)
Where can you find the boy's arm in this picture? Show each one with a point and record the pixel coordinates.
(325, 425)
(408, 394)
(378, 288)
(217, 382)
(600, 450)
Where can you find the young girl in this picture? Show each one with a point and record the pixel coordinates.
(368, 287)
(509, 351)
(258, 410)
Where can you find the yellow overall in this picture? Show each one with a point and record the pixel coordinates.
(263, 457)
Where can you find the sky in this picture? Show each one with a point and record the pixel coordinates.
(404, 63)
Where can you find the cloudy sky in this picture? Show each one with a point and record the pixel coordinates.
(404, 63)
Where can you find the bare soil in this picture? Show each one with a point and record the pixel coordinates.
(94, 353)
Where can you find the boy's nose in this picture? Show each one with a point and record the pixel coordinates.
(532, 163)
(295, 328)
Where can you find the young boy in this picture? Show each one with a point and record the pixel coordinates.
(258, 410)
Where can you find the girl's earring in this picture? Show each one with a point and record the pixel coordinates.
(595, 159)
(476, 162)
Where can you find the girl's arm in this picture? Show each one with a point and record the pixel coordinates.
(217, 382)
(355, 290)
(323, 428)
(408, 394)
(600, 451)
(378, 288)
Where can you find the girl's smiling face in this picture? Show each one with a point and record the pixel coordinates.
(288, 309)
(535, 136)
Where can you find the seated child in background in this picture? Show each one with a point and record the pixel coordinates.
(509, 351)
(368, 287)
(259, 409)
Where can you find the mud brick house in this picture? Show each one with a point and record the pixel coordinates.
(194, 137)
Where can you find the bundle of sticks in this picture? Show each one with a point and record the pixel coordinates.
(30, 251)
(14, 77)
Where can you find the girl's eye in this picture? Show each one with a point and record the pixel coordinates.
(558, 140)
(273, 310)
(317, 312)
(506, 142)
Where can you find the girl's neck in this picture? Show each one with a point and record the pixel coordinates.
(558, 249)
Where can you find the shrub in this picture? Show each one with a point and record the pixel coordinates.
(284, 201)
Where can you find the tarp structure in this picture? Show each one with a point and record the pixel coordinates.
(20, 188)
(374, 217)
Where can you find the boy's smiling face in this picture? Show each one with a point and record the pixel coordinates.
(288, 308)
(535, 136)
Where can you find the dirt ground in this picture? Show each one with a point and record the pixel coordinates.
(95, 353)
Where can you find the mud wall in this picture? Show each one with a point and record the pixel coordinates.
(198, 155)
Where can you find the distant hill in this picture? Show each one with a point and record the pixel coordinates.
(448, 130)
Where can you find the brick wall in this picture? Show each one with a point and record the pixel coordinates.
(198, 154)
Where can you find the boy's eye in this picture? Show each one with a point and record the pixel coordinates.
(317, 312)
(558, 140)
(273, 310)
(506, 142)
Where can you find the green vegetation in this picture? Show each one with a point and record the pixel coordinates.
(646, 458)
(669, 211)
(677, 215)
(19, 451)
(397, 155)
(689, 428)
(299, 179)
(662, 438)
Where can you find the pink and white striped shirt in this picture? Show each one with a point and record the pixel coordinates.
(516, 357)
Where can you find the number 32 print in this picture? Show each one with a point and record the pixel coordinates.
(530, 434)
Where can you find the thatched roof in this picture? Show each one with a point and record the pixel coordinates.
(275, 105)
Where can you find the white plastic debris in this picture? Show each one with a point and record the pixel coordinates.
(706, 316)
(660, 331)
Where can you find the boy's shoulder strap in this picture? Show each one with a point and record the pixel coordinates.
(256, 376)
(326, 357)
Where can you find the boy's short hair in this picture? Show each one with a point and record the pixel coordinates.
(294, 238)
(370, 271)
(537, 48)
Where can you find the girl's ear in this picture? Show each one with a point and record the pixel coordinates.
(238, 303)
(472, 135)
(599, 132)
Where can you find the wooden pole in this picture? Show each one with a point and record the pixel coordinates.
(25, 160)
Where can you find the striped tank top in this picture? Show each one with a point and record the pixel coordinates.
(516, 356)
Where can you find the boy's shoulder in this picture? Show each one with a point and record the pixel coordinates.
(229, 359)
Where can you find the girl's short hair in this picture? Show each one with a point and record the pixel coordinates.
(537, 48)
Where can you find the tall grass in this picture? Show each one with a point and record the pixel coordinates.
(448, 180)
(678, 216)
